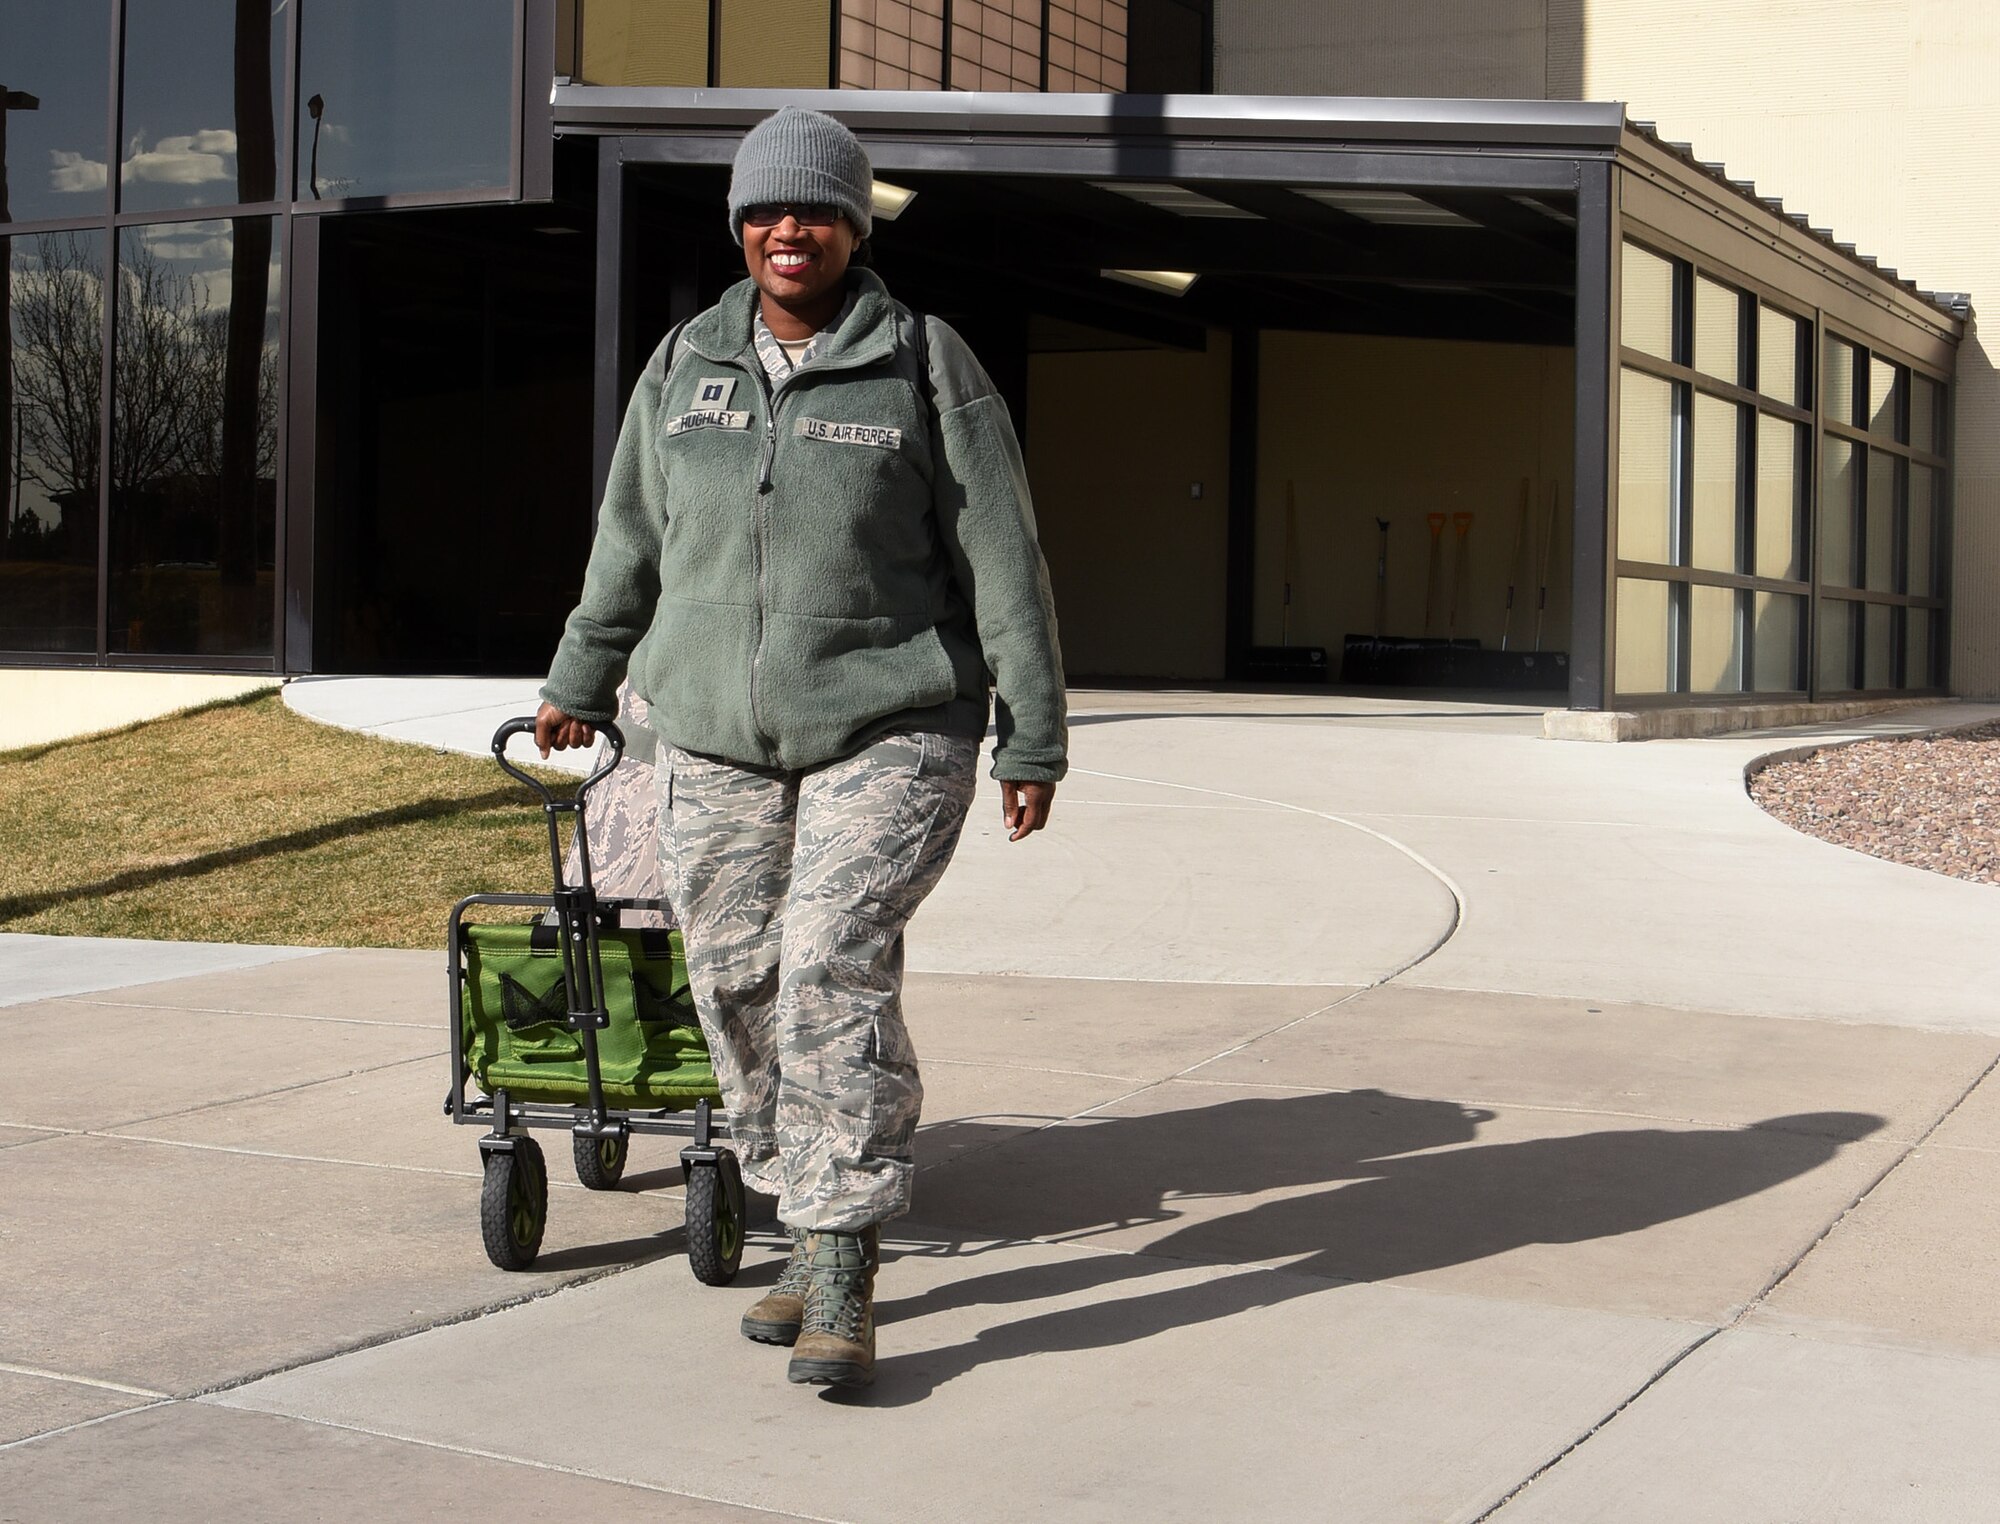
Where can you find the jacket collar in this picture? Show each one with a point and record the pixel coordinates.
(866, 335)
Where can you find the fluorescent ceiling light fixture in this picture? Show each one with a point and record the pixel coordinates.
(1390, 208)
(888, 201)
(1536, 204)
(1177, 199)
(1173, 282)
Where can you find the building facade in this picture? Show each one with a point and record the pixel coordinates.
(321, 320)
(1880, 119)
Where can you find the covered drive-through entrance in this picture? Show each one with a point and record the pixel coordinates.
(1476, 392)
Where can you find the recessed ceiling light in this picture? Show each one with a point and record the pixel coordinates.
(1390, 208)
(888, 201)
(1173, 282)
(1177, 199)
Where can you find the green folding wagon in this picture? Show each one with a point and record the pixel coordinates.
(574, 1021)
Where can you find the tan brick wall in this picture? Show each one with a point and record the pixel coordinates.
(994, 44)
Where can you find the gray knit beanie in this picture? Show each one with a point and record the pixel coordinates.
(801, 157)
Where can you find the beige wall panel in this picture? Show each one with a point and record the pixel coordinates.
(775, 44)
(1482, 48)
(1115, 441)
(1366, 427)
(1880, 118)
(645, 42)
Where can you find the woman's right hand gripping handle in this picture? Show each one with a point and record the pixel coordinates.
(554, 729)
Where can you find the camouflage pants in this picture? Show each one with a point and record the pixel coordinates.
(792, 890)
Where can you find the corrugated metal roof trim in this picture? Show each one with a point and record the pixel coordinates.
(1957, 304)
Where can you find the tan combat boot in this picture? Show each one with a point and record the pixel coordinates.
(836, 1345)
(775, 1319)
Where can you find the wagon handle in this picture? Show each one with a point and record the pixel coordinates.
(526, 726)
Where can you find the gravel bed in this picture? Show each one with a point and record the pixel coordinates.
(1928, 801)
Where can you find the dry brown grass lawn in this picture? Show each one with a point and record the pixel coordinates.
(243, 822)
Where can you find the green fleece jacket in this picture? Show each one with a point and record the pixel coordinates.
(790, 570)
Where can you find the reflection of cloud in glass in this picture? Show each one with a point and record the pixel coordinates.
(73, 172)
(187, 240)
(191, 159)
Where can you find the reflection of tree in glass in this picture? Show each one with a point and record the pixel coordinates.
(58, 352)
(171, 369)
(171, 366)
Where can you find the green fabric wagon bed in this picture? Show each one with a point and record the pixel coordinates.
(512, 1017)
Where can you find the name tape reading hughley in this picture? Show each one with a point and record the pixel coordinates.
(707, 418)
(878, 435)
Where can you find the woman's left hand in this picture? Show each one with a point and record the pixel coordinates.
(1024, 807)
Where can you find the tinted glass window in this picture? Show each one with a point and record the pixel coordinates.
(1164, 53)
(49, 422)
(194, 439)
(411, 98)
(1648, 302)
(1649, 417)
(200, 124)
(57, 55)
(1780, 338)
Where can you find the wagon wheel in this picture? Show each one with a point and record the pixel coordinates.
(514, 1205)
(715, 1213)
(600, 1162)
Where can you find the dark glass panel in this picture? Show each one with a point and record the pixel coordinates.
(1879, 572)
(1879, 654)
(1926, 413)
(411, 98)
(1838, 626)
(1886, 384)
(1845, 369)
(454, 504)
(202, 82)
(55, 70)
(1163, 48)
(1779, 618)
(1921, 563)
(1917, 626)
(1782, 453)
(194, 439)
(50, 419)
(1840, 487)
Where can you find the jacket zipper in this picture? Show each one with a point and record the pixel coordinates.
(767, 460)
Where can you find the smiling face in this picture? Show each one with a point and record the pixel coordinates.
(799, 266)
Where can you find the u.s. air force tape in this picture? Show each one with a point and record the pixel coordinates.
(707, 418)
(875, 434)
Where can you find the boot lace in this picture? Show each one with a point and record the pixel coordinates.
(837, 1298)
(796, 1278)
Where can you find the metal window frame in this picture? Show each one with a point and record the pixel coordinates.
(1692, 264)
(1903, 453)
(531, 126)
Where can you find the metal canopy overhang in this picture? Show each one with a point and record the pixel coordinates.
(1532, 146)
(1515, 145)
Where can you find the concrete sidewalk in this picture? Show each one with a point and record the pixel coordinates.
(1351, 1110)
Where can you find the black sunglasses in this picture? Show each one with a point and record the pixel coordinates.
(807, 214)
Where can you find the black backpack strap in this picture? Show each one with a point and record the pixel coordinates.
(674, 340)
(921, 344)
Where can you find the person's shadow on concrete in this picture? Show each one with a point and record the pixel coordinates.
(1382, 1211)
